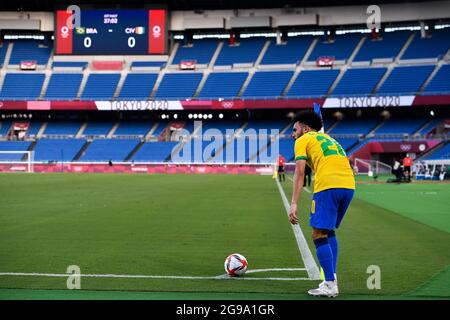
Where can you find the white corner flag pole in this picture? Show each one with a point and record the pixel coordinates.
(317, 110)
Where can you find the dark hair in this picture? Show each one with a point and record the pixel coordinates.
(310, 118)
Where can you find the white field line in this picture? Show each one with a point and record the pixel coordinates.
(310, 263)
(129, 276)
(304, 188)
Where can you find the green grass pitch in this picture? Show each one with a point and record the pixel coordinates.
(186, 225)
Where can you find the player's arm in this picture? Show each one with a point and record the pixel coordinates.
(299, 176)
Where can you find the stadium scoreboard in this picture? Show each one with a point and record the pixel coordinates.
(111, 32)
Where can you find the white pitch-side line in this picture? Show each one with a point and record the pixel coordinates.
(310, 263)
(304, 188)
(275, 269)
(221, 277)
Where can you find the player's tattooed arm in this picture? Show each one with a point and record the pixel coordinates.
(299, 176)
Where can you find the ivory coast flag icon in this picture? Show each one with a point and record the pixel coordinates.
(140, 30)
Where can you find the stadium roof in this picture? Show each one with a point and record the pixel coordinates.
(49, 5)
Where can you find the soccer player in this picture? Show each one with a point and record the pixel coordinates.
(281, 162)
(334, 186)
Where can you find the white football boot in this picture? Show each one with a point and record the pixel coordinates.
(325, 289)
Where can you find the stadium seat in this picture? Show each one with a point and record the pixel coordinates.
(57, 149)
(440, 83)
(154, 152)
(178, 85)
(200, 50)
(387, 46)
(22, 86)
(341, 48)
(13, 146)
(133, 128)
(359, 81)
(224, 85)
(137, 86)
(313, 83)
(63, 86)
(103, 150)
(5, 125)
(247, 51)
(26, 50)
(434, 46)
(267, 84)
(98, 128)
(405, 80)
(100, 86)
(353, 126)
(441, 153)
(400, 126)
(291, 52)
(62, 128)
(3, 48)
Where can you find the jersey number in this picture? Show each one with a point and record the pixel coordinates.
(327, 143)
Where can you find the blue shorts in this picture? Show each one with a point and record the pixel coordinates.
(328, 208)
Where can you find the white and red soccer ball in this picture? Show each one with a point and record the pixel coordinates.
(235, 265)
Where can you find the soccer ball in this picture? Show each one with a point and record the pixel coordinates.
(235, 265)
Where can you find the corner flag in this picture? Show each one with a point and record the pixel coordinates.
(317, 110)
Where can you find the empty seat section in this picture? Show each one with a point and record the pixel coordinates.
(430, 126)
(247, 52)
(434, 46)
(387, 46)
(62, 128)
(286, 148)
(13, 146)
(267, 125)
(359, 81)
(154, 152)
(178, 85)
(5, 125)
(138, 86)
(405, 80)
(290, 52)
(57, 149)
(63, 86)
(100, 128)
(102, 150)
(223, 85)
(346, 143)
(22, 86)
(440, 83)
(132, 128)
(200, 50)
(100, 86)
(341, 48)
(313, 83)
(3, 49)
(442, 153)
(26, 50)
(267, 84)
(400, 126)
(354, 126)
(34, 128)
(221, 126)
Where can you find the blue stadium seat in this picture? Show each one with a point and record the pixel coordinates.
(247, 51)
(63, 86)
(405, 80)
(137, 86)
(160, 64)
(133, 128)
(400, 126)
(34, 127)
(359, 81)
(291, 52)
(62, 128)
(430, 126)
(5, 125)
(22, 86)
(221, 126)
(442, 153)
(435, 46)
(162, 125)
(154, 152)
(3, 49)
(346, 143)
(102, 150)
(57, 149)
(13, 146)
(388, 46)
(286, 148)
(98, 128)
(267, 84)
(178, 85)
(100, 86)
(440, 82)
(313, 83)
(30, 50)
(69, 64)
(200, 50)
(224, 85)
(341, 48)
(352, 126)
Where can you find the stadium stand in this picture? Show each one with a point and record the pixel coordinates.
(5, 125)
(439, 154)
(340, 48)
(359, 81)
(34, 127)
(313, 83)
(154, 152)
(440, 82)
(57, 149)
(290, 52)
(178, 85)
(22, 86)
(222, 126)
(3, 48)
(133, 128)
(200, 50)
(25, 50)
(63, 86)
(430, 126)
(224, 85)
(387, 46)
(62, 128)
(267, 84)
(160, 64)
(352, 126)
(137, 86)
(434, 46)
(400, 126)
(405, 80)
(100, 86)
(98, 128)
(13, 146)
(103, 150)
(246, 51)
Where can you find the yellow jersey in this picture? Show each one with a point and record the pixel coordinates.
(327, 158)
